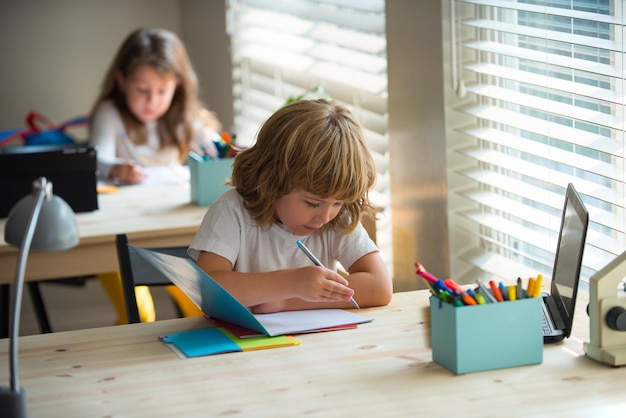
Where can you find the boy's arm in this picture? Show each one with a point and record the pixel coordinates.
(312, 283)
(368, 277)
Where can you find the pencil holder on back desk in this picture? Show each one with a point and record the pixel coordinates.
(208, 178)
(468, 339)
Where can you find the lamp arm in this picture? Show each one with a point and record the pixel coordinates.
(19, 285)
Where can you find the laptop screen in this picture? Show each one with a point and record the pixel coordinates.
(569, 255)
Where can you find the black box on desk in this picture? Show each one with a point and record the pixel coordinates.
(70, 168)
(475, 338)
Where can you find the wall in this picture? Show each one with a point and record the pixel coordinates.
(417, 140)
(55, 53)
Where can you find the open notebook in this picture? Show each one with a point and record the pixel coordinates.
(216, 302)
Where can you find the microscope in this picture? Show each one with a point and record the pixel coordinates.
(607, 314)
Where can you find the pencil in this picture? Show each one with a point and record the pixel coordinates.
(130, 148)
(319, 263)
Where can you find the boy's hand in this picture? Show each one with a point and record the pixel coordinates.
(319, 284)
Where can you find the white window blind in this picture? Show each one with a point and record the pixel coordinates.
(283, 48)
(543, 106)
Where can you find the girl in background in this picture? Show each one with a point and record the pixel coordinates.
(148, 114)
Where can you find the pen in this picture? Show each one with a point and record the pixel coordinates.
(319, 263)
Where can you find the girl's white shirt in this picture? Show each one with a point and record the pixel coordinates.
(108, 133)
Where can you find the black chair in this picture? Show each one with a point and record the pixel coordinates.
(135, 271)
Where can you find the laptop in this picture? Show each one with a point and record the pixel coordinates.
(70, 168)
(558, 305)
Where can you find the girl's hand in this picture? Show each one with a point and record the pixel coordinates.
(127, 173)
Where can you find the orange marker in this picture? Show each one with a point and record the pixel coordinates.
(496, 291)
(467, 299)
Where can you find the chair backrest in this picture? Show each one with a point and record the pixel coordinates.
(135, 271)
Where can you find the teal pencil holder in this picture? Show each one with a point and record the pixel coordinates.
(208, 178)
(467, 339)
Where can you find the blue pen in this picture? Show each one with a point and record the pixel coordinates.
(319, 263)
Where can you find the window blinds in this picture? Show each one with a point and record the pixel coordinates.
(282, 49)
(543, 106)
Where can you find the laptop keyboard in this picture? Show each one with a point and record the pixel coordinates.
(544, 325)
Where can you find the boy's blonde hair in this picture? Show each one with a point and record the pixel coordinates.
(313, 145)
(162, 50)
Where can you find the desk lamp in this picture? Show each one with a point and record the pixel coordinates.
(43, 222)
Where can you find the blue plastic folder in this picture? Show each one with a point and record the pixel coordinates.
(215, 302)
(209, 341)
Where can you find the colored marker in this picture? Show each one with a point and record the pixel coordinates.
(421, 271)
(504, 290)
(530, 290)
(538, 284)
(430, 286)
(496, 291)
(481, 300)
(485, 292)
(467, 299)
(319, 263)
(454, 286)
(519, 294)
(473, 294)
(512, 292)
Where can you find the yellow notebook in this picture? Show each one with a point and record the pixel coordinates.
(209, 341)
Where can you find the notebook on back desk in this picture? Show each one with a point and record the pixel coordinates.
(558, 305)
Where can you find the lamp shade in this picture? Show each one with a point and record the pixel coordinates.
(56, 228)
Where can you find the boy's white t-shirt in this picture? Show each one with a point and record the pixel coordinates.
(228, 231)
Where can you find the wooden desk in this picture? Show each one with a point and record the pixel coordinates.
(150, 215)
(381, 369)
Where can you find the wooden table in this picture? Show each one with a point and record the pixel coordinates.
(150, 215)
(380, 369)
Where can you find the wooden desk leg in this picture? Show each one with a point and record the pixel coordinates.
(5, 310)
